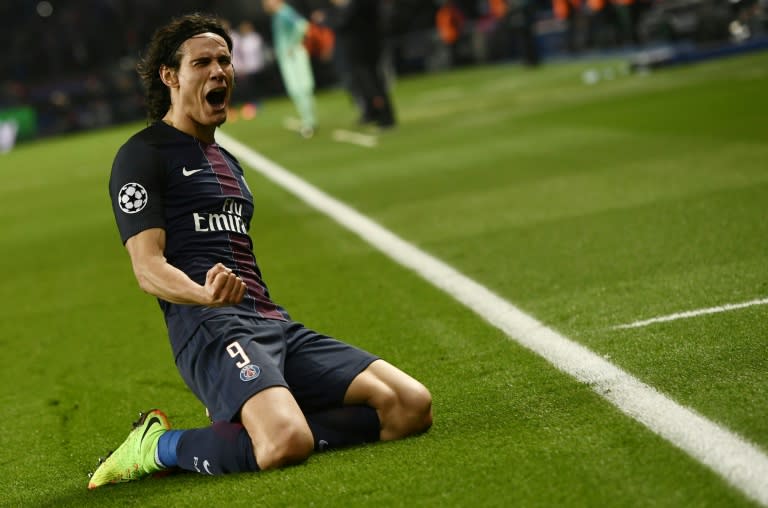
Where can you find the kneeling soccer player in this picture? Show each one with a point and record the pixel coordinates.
(275, 389)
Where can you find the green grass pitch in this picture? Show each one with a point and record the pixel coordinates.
(588, 206)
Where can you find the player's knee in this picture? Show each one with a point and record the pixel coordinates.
(410, 414)
(419, 409)
(291, 445)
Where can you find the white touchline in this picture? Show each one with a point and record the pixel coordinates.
(693, 313)
(355, 138)
(741, 463)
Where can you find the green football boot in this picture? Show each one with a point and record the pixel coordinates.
(135, 458)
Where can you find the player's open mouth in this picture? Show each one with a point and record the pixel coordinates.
(216, 97)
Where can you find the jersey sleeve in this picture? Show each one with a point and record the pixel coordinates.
(137, 188)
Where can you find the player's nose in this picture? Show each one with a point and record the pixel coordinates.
(217, 72)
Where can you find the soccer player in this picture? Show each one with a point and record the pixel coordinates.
(288, 31)
(275, 389)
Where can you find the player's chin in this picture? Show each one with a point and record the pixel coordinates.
(219, 119)
(216, 115)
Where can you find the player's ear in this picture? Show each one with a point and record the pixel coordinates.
(169, 77)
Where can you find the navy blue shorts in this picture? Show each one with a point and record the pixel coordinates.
(231, 358)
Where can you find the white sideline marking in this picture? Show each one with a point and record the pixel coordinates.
(739, 462)
(340, 135)
(355, 138)
(693, 313)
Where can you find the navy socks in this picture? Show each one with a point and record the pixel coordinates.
(344, 426)
(219, 449)
(226, 447)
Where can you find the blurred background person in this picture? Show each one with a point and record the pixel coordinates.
(449, 22)
(288, 31)
(501, 39)
(233, 33)
(625, 15)
(600, 25)
(319, 41)
(569, 12)
(357, 27)
(248, 57)
(522, 18)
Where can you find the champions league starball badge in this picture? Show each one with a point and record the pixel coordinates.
(132, 198)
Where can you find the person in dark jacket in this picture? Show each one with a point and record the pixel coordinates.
(359, 47)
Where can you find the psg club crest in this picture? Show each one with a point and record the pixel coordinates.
(132, 198)
(250, 372)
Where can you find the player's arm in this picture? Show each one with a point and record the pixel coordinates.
(163, 280)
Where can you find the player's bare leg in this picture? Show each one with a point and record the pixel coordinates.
(277, 428)
(404, 405)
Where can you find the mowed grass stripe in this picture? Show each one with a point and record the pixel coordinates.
(739, 462)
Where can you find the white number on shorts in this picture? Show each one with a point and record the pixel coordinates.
(235, 350)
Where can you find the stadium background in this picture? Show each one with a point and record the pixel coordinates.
(71, 65)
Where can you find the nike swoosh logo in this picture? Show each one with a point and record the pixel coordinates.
(152, 421)
(190, 172)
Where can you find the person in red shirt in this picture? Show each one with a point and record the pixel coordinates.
(449, 22)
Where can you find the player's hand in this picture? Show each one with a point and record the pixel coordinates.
(223, 286)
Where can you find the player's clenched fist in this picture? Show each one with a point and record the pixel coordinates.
(224, 287)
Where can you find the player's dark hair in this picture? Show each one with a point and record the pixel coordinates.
(164, 49)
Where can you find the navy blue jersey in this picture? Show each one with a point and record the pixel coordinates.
(196, 192)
